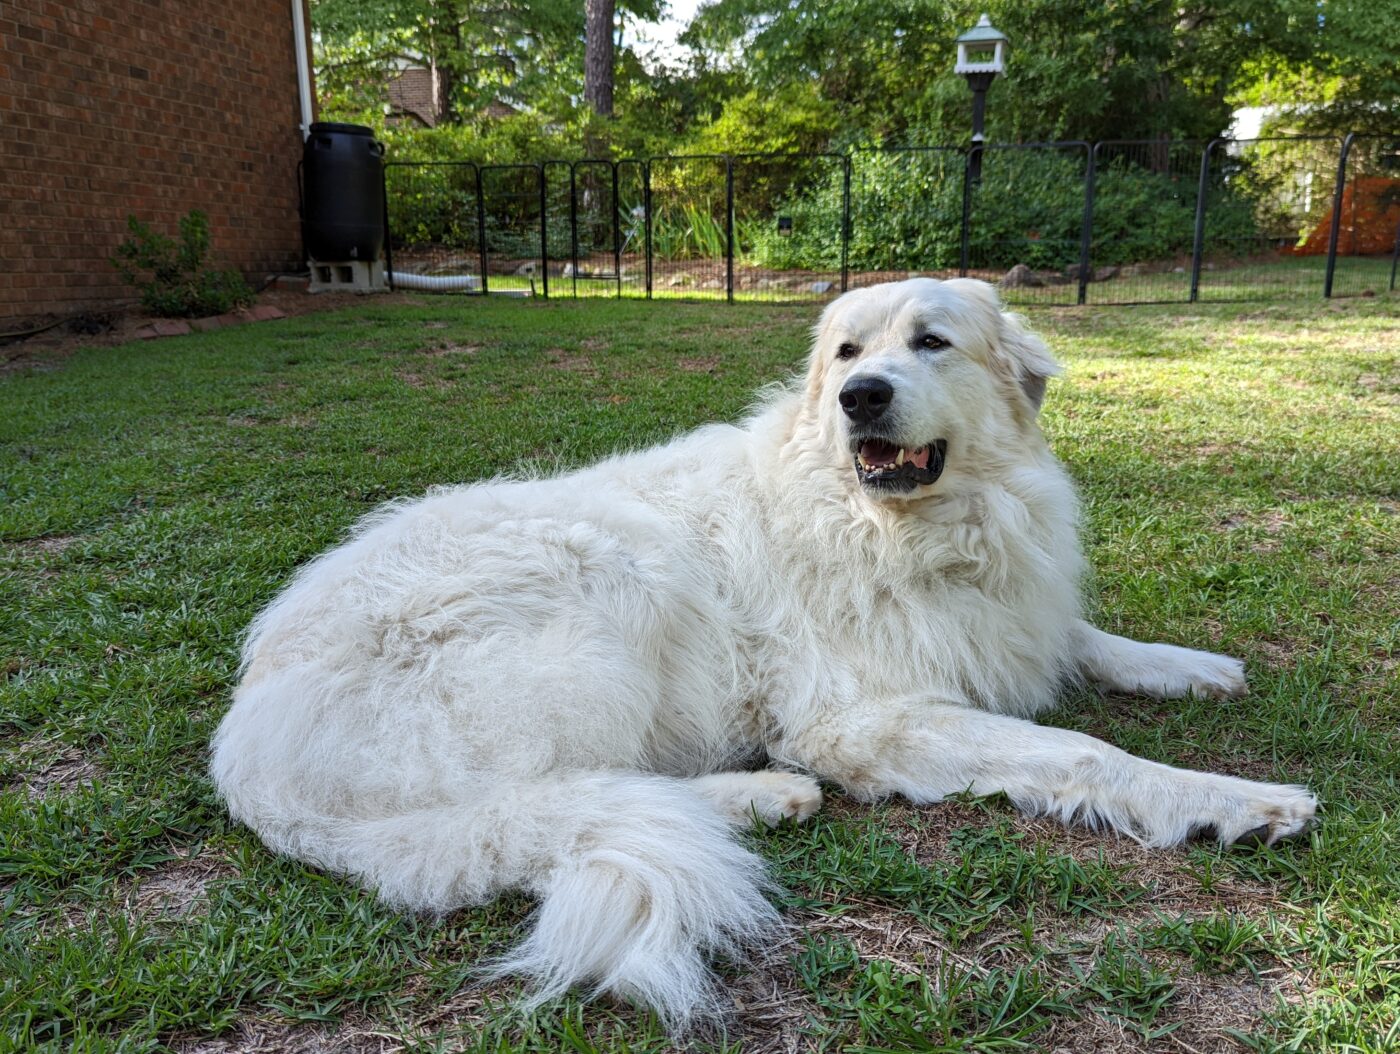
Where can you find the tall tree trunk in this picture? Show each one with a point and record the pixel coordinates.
(598, 56)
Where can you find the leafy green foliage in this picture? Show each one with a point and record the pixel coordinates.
(171, 275)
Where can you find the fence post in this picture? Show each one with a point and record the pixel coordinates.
(1198, 243)
(1395, 257)
(1086, 230)
(846, 223)
(388, 234)
(616, 233)
(646, 217)
(966, 211)
(729, 228)
(481, 227)
(573, 226)
(544, 231)
(1336, 230)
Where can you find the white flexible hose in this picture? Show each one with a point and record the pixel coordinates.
(435, 282)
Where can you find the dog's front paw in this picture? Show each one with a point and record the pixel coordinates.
(1261, 815)
(1169, 672)
(1216, 676)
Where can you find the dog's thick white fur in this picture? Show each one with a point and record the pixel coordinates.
(561, 685)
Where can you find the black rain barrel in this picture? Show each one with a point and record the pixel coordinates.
(342, 193)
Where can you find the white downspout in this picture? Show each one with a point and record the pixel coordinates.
(308, 111)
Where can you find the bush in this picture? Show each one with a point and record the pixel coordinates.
(906, 214)
(179, 285)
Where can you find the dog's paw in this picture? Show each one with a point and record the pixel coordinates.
(1261, 815)
(769, 795)
(1175, 672)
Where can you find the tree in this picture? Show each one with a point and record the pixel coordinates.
(1084, 69)
(598, 56)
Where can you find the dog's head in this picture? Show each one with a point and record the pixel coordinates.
(906, 378)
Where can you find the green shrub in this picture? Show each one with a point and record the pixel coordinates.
(171, 275)
(907, 206)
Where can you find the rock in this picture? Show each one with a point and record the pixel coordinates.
(205, 325)
(823, 287)
(1178, 270)
(680, 278)
(266, 313)
(1103, 274)
(1072, 273)
(1020, 277)
(170, 327)
(528, 267)
(712, 283)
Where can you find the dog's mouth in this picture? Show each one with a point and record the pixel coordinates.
(881, 465)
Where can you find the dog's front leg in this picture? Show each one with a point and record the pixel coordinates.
(928, 750)
(1162, 671)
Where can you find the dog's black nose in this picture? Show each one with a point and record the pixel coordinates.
(866, 398)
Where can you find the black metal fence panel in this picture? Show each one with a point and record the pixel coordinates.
(433, 216)
(1368, 231)
(1025, 219)
(1263, 199)
(631, 200)
(1061, 223)
(789, 235)
(1143, 221)
(905, 214)
(688, 227)
(515, 235)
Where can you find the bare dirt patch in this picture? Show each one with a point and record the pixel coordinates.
(273, 1037)
(561, 359)
(448, 349)
(176, 888)
(51, 545)
(708, 364)
(64, 772)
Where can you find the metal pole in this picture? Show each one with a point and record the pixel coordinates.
(481, 227)
(646, 211)
(616, 232)
(388, 235)
(1086, 231)
(967, 207)
(846, 224)
(1198, 244)
(1337, 194)
(544, 232)
(729, 228)
(1395, 257)
(573, 226)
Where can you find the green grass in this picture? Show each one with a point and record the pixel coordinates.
(1241, 486)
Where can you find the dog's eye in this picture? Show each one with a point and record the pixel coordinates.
(932, 341)
(847, 351)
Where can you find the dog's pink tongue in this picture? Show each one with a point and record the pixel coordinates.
(919, 457)
(874, 452)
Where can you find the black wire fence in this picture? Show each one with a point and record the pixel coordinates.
(1114, 222)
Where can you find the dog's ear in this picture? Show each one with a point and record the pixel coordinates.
(1030, 358)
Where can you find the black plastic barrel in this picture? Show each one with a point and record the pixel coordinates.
(342, 193)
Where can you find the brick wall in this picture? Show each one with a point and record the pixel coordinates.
(152, 107)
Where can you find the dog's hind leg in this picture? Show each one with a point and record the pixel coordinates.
(1162, 671)
(769, 795)
(927, 750)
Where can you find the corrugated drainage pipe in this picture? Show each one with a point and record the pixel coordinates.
(435, 282)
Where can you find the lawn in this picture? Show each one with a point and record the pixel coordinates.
(1240, 467)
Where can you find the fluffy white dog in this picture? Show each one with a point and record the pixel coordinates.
(564, 685)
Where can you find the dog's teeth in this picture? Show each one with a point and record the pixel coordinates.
(899, 458)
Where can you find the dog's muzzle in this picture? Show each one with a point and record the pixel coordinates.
(885, 466)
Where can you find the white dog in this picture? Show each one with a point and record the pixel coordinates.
(565, 685)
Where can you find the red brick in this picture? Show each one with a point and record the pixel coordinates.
(211, 126)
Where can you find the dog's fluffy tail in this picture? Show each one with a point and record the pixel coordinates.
(639, 879)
